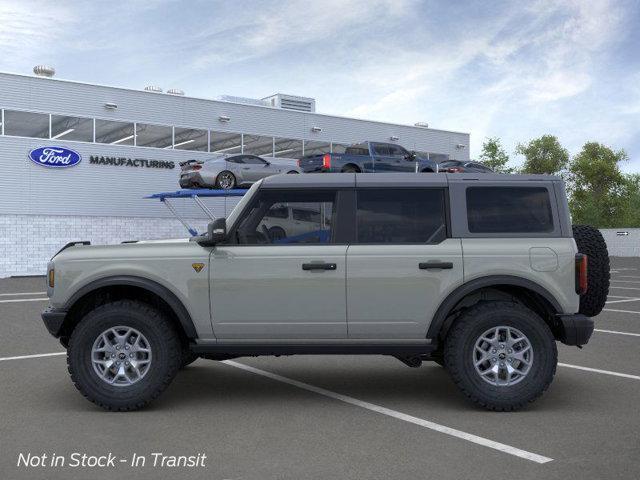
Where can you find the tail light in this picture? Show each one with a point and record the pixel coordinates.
(298, 162)
(326, 161)
(581, 274)
(454, 170)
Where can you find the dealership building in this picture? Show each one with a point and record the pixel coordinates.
(127, 144)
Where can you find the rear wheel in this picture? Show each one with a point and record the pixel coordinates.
(293, 172)
(225, 180)
(123, 354)
(590, 242)
(501, 355)
(277, 233)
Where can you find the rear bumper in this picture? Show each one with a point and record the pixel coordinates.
(54, 320)
(575, 329)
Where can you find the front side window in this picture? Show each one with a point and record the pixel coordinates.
(267, 222)
(253, 160)
(401, 216)
(509, 210)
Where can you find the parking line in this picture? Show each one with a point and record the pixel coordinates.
(15, 300)
(485, 442)
(22, 357)
(624, 288)
(620, 311)
(21, 293)
(596, 370)
(616, 332)
(622, 301)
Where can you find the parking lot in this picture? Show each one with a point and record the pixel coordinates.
(329, 417)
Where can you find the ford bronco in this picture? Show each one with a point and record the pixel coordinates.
(481, 273)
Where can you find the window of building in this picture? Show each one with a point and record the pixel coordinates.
(226, 143)
(268, 221)
(191, 139)
(258, 145)
(158, 136)
(114, 133)
(72, 128)
(26, 124)
(509, 210)
(312, 147)
(287, 148)
(401, 216)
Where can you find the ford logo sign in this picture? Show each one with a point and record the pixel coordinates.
(56, 157)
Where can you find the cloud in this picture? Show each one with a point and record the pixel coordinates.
(31, 30)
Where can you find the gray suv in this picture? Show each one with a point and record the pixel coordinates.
(481, 273)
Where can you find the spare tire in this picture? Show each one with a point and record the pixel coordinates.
(592, 244)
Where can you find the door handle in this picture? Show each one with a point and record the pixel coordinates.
(435, 265)
(319, 266)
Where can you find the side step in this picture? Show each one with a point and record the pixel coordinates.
(239, 350)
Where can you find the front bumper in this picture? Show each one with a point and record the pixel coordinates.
(575, 329)
(54, 320)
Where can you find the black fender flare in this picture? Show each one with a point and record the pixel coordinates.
(178, 308)
(465, 289)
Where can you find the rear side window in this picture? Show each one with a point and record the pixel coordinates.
(509, 210)
(401, 216)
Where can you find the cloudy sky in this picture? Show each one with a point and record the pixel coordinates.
(515, 70)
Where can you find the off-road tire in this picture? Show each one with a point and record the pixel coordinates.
(163, 340)
(591, 243)
(460, 343)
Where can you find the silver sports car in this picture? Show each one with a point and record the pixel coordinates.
(231, 171)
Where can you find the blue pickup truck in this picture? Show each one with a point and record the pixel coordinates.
(368, 157)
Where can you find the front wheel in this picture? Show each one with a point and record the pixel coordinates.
(123, 354)
(501, 355)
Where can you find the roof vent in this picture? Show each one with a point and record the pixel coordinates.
(153, 88)
(244, 100)
(422, 124)
(292, 102)
(44, 71)
(175, 91)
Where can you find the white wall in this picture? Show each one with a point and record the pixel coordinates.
(620, 245)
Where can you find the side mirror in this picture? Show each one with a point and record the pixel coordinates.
(267, 164)
(216, 233)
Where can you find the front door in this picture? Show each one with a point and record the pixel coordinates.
(278, 277)
(402, 263)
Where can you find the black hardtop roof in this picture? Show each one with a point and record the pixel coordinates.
(327, 180)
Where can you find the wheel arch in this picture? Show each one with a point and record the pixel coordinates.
(534, 296)
(353, 165)
(126, 286)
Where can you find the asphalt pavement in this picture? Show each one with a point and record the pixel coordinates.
(322, 417)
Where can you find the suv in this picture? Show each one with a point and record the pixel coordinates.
(480, 273)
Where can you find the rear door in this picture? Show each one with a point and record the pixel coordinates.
(402, 263)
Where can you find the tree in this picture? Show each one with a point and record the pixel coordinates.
(494, 156)
(600, 194)
(544, 155)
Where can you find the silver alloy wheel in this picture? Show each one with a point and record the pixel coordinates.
(502, 356)
(121, 356)
(226, 180)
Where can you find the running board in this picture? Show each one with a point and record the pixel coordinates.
(313, 349)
